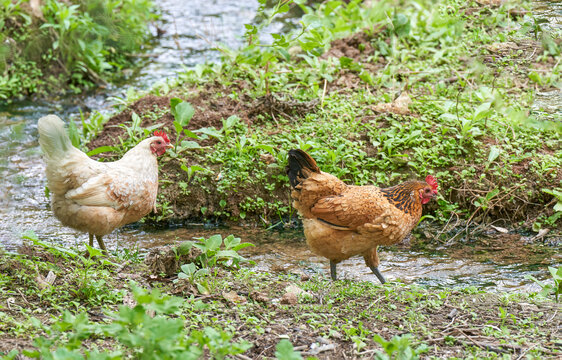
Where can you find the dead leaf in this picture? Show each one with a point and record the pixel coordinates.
(493, 3)
(398, 106)
(233, 297)
(499, 229)
(129, 300)
(294, 289)
(542, 232)
(36, 8)
(9, 301)
(44, 283)
(50, 278)
(502, 47)
(315, 350)
(267, 158)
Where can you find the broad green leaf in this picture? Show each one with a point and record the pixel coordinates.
(242, 246)
(190, 145)
(173, 103)
(211, 131)
(184, 247)
(227, 254)
(214, 242)
(178, 127)
(188, 268)
(494, 153)
(190, 134)
(285, 351)
(100, 150)
(231, 121)
(183, 113)
(492, 193)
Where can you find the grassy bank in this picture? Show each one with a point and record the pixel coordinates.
(376, 94)
(51, 46)
(194, 301)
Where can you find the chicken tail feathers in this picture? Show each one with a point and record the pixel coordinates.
(53, 137)
(300, 166)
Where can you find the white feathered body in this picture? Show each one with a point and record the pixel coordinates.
(92, 196)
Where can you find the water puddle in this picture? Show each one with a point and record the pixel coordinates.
(549, 104)
(483, 265)
(191, 33)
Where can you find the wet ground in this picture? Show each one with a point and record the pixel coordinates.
(190, 36)
(549, 104)
(496, 262)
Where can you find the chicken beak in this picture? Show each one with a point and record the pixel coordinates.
(169, 146)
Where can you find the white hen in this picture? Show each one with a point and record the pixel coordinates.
(97, 197)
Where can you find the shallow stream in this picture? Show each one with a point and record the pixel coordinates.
(191, 32)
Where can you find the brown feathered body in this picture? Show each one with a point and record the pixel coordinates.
(97, 197)
(341, 220)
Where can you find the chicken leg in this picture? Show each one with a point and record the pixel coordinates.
(100, 243)
(333, 270)
(378, 274)
(374, 269)
(372, 261)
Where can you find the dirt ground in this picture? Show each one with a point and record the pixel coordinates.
(321, 318)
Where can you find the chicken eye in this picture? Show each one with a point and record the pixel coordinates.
(159, 142)
(427, 190)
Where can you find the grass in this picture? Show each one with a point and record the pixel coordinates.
(68, 45)
(100, 309)
(320, 88)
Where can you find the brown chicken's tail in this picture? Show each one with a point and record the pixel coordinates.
(300, 166)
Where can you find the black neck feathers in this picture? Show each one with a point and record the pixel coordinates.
(404, 196)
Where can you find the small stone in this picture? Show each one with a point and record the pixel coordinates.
(322, 340)
(294, 289)
(336, 334)
(529, 307)
(259, 296)
(289, 299)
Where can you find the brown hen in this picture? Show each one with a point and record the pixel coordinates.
(341, 220)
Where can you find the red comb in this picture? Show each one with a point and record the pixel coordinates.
(432, 182)
(162, 135)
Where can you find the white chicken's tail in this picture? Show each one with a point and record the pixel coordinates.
(53, 137)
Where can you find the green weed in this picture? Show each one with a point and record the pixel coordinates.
(549, 289)
(74, 44)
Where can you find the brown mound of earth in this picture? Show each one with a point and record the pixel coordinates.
(212, 106)
(210, 110)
